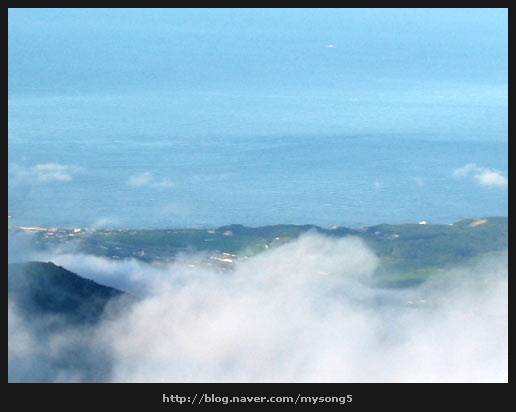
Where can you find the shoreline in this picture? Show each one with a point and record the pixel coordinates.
(77, 229)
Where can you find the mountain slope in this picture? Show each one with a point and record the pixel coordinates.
(39, 288)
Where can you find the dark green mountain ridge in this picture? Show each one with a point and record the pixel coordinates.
(39, 288)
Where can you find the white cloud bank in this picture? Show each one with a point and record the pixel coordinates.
(482, 175)
(303, 312)
(491, 178)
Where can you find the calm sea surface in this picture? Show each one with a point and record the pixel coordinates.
(134, 161)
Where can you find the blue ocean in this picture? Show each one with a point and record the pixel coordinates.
(184, 118)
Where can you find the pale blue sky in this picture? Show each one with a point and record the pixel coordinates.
(67, 51)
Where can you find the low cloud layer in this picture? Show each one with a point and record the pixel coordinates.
(45, 349)
(482, 175)
(306, 311)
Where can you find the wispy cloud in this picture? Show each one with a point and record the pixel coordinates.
(53, 172)
(142, 179)
(146, 179)
(419, 181)
(46, 172)
(483, 175)
(465, 170)
(162, 183)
